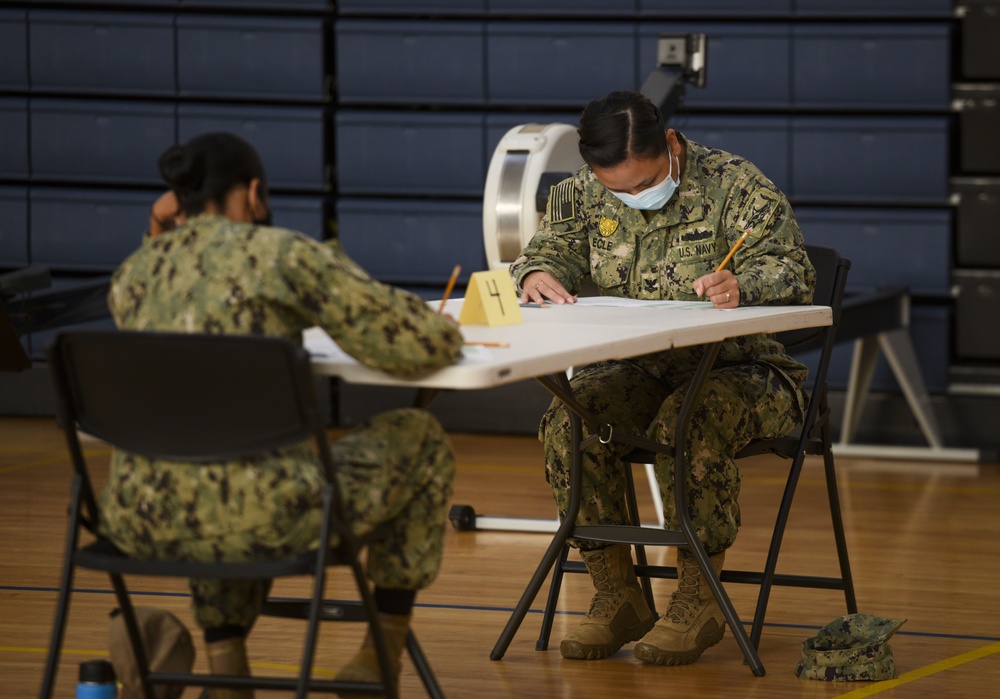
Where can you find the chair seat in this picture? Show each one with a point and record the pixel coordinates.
(785, 447)
(749, 577)
(330, 610)
(104, 556)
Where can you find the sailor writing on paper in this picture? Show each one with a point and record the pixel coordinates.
(654, 215)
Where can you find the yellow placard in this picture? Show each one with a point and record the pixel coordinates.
(490, 299)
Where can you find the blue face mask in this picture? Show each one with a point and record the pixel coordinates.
(652, 198)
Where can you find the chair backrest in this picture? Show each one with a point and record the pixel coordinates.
(831, 280)
(187, 397)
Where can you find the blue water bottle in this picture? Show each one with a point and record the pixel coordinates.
(97, 680)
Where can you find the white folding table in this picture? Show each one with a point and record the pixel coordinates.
(554, 338)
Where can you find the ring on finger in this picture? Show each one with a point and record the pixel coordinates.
(727, 297)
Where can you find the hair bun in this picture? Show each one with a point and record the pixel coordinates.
(182, 169)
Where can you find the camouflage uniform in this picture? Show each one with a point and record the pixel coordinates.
(218, 276)
(754, 390)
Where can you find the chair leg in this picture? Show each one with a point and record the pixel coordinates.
(767, 578)
(312, 628)
(58, 630)
(330, 503)
(378, 634)
(654, 489)
(771, 564)
(556, 549)
(65, 590)
(838, 523)
(552, 601)
(632, 508)
(423, 667)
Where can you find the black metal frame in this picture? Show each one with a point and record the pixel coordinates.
(196, 399)
(832, 272)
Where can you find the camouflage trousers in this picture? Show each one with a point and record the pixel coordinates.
(738, 404)
(396, 470)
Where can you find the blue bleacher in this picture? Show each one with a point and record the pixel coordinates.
(412, 241)
(99, 141)
(406, 62)
(410, 153)
(290, 139)
(87, 52)
(13, 49)
(13, 227)
(253, 58)
(14, 138)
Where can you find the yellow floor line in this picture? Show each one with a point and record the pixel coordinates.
(65, 651)
(296, 669)
(941, 666)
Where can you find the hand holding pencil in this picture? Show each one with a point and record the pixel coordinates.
(732, 250)
(721, 286)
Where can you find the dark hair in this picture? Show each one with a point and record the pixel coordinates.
(619, 126)
(208, 167)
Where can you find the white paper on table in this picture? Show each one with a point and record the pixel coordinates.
(322, 346)
(616, 302)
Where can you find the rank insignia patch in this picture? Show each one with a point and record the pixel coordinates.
(562, 203)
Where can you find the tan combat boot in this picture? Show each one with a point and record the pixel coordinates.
(618, 612)
(228, 657)
(693, 620)
(364, 667)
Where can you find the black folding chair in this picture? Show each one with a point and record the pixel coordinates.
(196, 399)
(813, 438)
(13, 284)
(12, 354)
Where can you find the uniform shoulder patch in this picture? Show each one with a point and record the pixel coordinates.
(562, 202)
(757, 212)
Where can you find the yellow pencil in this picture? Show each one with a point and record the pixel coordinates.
(489, 344)
(735, 247)
(451, 285)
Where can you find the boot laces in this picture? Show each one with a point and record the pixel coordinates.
(685, 601)
(604, 604)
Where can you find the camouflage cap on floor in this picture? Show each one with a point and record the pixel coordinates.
(850, 649)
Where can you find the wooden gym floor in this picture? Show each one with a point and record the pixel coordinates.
(923, 540)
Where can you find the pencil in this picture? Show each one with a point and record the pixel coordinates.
(489, 344)
(451, 285)
(735, 247)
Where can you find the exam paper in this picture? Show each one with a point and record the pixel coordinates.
(616, 302)
(322, 346)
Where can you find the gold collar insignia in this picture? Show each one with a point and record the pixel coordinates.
(607, 226)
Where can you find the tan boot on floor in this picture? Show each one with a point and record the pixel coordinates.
(618, 612)
(228, 657)
(693, 620)
(364, 667)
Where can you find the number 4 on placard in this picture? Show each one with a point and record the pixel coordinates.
(490, 299)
